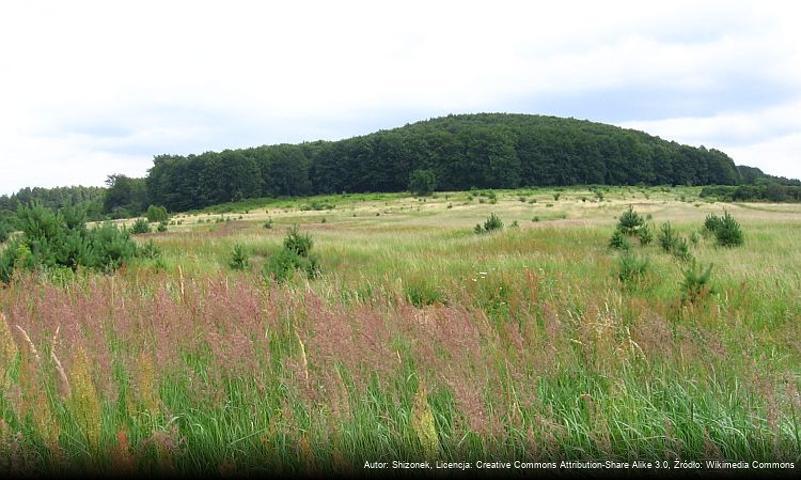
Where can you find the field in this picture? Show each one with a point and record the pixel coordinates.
(420, 340)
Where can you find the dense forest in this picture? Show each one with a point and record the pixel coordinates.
(463, 151)
(456, 152)
(89, 198)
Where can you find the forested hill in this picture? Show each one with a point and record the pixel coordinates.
(463, 151)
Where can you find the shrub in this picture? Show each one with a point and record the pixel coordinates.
(619, 241)
(681, 249)
(150, 251)
(162, 227)
(268, 224)
(239, 258)
(645, 235)
(317, 205)
(728, 232)
(294, 255)
(280, 266)
(157, 214)
(299, 243)
(53, 240)
(422, 182)
(5, 230)
(630, 222)
(492, 223)
(696, 284)
(283, 264)
(111, 248)
(140, 226)
(557, 196)
(631, 269)
(666, 237)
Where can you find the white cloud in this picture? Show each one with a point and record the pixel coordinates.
(769, 138)
(94, 87)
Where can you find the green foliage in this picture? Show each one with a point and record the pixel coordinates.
(239, 258)
(268, 224)
(619, 241)
(681, 249)
(646, 235)
(492, 223)
(88, 199)
(728, 232)
(295, 255)
(125, 196)
(666, 237)
(631, 268)
(317, 205)
(630, 222)
(5, 230)
(157, 214)
(162, 227)
(422, 182)
(712, 223)
(140, 226)
(696, 284)
(422, 292)
(768, 191)
(298, 243)
(150, 250)
(52, 240)
(458, 151)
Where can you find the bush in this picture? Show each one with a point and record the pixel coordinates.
(493, 223)
(696, 284)
(52, 240)
(667, 237)
(162, 227)
(299, 243)
(630, 222)
(712, 223)
(317, 205)
(422, 182)
(150, 251)
(728, 232)
(268, 224)
(157, 214)
(140, 226)
(681, 249)
(619, 241)
(294, 255)
(239, 258)
(646, 236)
(631, 269)
(5, 230)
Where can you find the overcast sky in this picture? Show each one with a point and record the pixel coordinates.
(93, 88)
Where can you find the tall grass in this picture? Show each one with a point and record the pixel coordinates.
(415, 343)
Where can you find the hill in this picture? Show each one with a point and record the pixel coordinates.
(463, 151)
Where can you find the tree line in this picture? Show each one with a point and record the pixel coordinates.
(462, 151)
(457, 152)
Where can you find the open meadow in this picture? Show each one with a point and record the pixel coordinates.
(405, 335)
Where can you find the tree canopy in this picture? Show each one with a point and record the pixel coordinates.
(461, 151)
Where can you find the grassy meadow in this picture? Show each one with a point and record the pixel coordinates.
(419, 340)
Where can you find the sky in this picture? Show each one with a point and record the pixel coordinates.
(89, 88)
